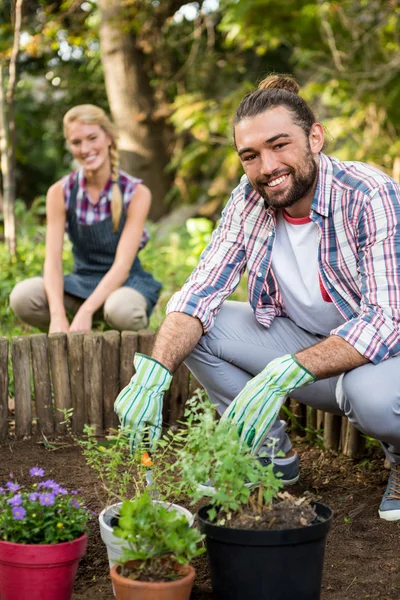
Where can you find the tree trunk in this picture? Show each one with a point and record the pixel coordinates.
(142, 136)
(7, 170)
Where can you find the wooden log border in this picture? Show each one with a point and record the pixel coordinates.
(86, 372)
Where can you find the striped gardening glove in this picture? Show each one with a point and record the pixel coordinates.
(255, 409)
(139, 405)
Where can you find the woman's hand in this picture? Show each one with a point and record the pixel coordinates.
(59, 324)
(82, 320)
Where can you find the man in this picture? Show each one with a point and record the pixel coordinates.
(320, 241)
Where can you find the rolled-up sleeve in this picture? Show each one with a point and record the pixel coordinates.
(375, 332)
(219, 271)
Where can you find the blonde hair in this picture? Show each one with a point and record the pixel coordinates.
(94, 115)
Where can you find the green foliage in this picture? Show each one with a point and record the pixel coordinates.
(344, 53)
(123, 471)
(40, 513)
(156, 537)
(116, 468)
(209, 450)
(28, 261)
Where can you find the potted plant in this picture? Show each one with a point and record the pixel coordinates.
(158, 547)
(261, 543)
(124, 473)
(42, 538)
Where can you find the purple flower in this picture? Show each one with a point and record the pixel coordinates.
(47, 499)
(49, 483)
(61, 491)
(18, 513)
(12, 487)
(2, 490)
(33, 497)
(73, 492)
(36, 472)
(15, 500)
(75, 503)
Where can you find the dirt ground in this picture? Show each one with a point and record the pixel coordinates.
(362, 554)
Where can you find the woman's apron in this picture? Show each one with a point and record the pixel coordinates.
(94, 248)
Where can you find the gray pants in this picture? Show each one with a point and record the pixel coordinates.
(124, 309)
(237, 348)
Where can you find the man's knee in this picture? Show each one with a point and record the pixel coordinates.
(126, 309)
(371, 399)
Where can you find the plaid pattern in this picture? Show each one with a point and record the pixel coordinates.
(139, 405)
(255, 409)
(88, 213)
(357, 210)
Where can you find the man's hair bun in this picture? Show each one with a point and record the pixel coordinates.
(280, 82)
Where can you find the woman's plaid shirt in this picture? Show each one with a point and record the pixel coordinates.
(357, 210)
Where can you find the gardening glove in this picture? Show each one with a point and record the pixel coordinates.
(139, 405)
(255, 409)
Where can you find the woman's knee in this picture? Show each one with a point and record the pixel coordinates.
(28, 297)
(126, 309)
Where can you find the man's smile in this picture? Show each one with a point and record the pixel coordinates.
(276, 181)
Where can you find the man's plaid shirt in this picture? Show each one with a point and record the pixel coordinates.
(357, 210)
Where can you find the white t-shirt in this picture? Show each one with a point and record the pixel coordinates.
(295, 266)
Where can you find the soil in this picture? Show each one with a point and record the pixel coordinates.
(362, 553)
(287, 512)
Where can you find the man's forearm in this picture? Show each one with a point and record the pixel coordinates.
(177, 337)
(330, 357)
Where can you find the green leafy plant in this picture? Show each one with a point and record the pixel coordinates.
(212, 451)
(41, 512)
(158, 540)
(125, 472)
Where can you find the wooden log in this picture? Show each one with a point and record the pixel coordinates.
(354, 444)
(22, 386)
(311, 423)
(41, 383)
(177, 396)
(312, 419)
(111, 368)
(298, 423)
(320, 419)
(146, 341)
(3, 388)
(194, 385)
(77, 381)
(57, 344)
(343, 432)
(332, 425)
(92, 352)
(129, 345)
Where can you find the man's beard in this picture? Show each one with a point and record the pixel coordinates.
(303, 180)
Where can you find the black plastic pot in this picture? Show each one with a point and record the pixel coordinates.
(248, 564)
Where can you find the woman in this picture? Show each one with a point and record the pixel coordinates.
(104, 211)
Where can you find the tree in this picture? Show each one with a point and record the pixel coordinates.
(143, 133)
(7, 133)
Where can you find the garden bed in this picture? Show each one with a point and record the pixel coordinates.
(362, 550)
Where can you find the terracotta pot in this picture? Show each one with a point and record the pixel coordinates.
(39, 571)
(129, 589)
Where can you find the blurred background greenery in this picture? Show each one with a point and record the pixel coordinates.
(171, 74)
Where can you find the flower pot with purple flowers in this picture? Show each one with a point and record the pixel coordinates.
(42, 538)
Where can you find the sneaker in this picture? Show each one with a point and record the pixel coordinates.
(390, 505)
(289, 474)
